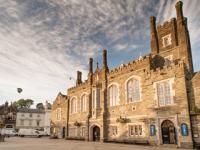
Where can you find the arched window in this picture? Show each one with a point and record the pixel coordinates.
(133, 90)
(113, 95)
(73, 105)
(83, 103)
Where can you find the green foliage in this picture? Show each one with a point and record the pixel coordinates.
(23, 103)
(40, 106)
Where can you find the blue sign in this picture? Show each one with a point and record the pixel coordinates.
(152, 130)
(184, 129)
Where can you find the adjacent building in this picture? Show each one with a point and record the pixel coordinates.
(152, 100)
(28, 118)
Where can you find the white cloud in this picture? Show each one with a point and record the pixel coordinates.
(44, 42)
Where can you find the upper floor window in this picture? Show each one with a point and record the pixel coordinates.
(166, 40)
(83, 103)
(164, 93)
(73, 105)
(133, 90)
(96, 98)
(22, 115)
(58, 114)
(113, 95)
(30, 115)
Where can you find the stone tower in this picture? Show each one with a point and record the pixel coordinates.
(171, 40)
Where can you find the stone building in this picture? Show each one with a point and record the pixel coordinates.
(59, 116)
(152, 100)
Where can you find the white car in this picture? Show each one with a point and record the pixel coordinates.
(8, 132)
(29, 132)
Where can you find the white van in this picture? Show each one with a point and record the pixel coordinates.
(29, 132)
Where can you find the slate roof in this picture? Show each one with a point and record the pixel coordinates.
(30, 110)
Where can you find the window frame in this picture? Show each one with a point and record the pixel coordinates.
(75, 106)
(117, 100)
(136, 126)
(140, 89)
(86, 102)
(172, 92)
(168, 37)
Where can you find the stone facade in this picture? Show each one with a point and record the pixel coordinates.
(152, 100)
(59, 116)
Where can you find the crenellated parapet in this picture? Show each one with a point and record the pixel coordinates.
(138, 64)
(82, 85)
(167, 24)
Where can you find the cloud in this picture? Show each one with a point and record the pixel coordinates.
(44, 42)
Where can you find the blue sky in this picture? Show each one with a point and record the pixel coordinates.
(44, 42)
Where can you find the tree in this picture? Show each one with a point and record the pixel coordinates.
(40, 106)
(23, 103)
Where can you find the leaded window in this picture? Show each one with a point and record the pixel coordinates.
(73, 106)
(164, 93)
(133, 90)
(83, 103)
(113, 95)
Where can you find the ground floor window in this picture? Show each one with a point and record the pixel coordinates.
(83, 130)
(135, 130)
(72, 132)
(113, 130)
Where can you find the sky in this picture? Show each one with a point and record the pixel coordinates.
(44, 42)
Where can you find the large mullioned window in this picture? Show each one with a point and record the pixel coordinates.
(164, 93)
(113, 95)
(83, 103)
(133, 90)
(73, 105)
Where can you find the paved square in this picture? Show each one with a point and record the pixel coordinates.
(17, 143)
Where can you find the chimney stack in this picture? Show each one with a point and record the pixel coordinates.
(179, 10)
(79, 78)
(153, 36)
(105, 65)
(90, 65)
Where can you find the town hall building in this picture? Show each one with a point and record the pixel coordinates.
(153, 100)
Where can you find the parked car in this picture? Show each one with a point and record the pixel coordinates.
(29, 132)
(8, 132)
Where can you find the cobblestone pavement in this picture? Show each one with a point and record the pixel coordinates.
(17, 143)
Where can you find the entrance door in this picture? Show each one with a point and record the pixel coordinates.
(168, 132)
(96, 133)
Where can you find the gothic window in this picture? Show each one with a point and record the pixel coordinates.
(135, 130)
(113, 95)
(164, 93)
(73, 105)
(83, 103)
(133, 90)
(96, 98)
(166, 40)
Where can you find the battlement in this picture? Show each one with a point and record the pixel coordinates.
(165, 69)
(133, 65)
(81, 85)
(167, 24)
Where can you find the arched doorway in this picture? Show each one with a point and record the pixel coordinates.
(96, 133)
(63, 132)
(168, 132)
